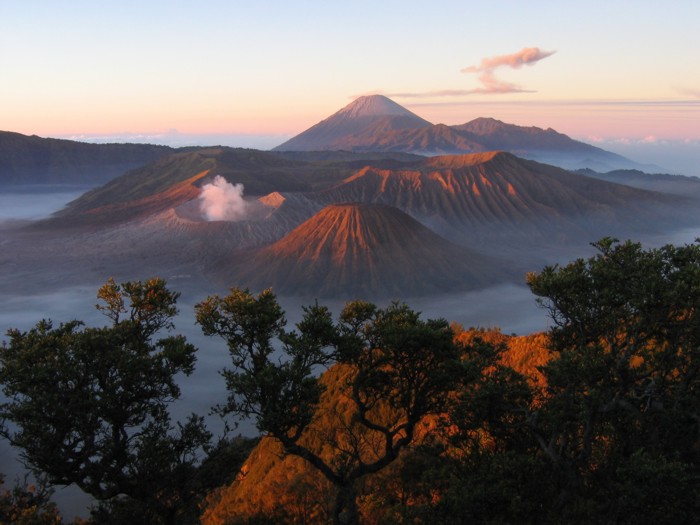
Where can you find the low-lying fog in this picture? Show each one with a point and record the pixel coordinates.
(509, 307)
(22, 202)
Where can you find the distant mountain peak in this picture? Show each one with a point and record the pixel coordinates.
(375, 123)
(372, 114)
(375, 106)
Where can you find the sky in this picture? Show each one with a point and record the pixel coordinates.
(620, 74)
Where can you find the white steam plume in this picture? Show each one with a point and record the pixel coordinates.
(222, 201)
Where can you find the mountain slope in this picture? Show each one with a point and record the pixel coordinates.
(366, 249)
(476, 197)
(544, 145)
(371, 114)
(376, 123)
(142, 192)
(430, 140)
(35, 160)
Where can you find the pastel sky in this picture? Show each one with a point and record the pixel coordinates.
(622, 72)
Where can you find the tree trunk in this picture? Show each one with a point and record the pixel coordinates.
(345, 511)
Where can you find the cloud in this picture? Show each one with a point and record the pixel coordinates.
(222, 201)
(528, 56)
(490, 84)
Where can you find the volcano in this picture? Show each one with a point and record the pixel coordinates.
(367, 250)
(495, 197)
(377, 124)
(372, 115)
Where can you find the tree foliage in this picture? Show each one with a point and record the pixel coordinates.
(402, 369)
(413, 420)
(90, 405)
(26, 504)
(623, 396)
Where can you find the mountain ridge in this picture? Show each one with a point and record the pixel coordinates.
(355, 129)
(30, 159)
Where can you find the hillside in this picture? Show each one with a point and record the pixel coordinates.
(141, 192)
(544, 145)
(662, 182)
(366, 250)
(496, 196)
(35, 160)
(409, 225)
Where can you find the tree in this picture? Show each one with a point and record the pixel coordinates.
(90, 405)
(400, 369)
(26, 504)
(623, 395)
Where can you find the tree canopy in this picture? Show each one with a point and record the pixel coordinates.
(623, 395)
(90, 405)
(402, 369)
(408, 420)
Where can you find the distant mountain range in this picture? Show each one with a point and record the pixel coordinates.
(36, 160)
(372, 125)
(347, 208)
(376, 123)
(336, 224)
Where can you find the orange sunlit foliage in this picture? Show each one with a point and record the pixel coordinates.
(524, 354)
(286, 488)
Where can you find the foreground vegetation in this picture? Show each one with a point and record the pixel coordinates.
(415, 421)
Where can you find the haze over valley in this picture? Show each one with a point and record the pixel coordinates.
(433, 155)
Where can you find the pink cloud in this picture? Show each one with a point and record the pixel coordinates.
(490, 84)
(528, 56)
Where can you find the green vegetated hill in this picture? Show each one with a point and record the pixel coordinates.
(36, 160)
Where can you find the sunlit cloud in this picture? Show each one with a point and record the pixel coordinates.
(528, 56)
(490, 83)
(525, 57)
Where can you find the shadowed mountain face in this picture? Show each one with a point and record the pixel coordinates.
(374, 114)
(375, 123)
(333, 225)
(490, 196)
(35, 160)
(369, 250)
(544, 145)
(150, 189)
